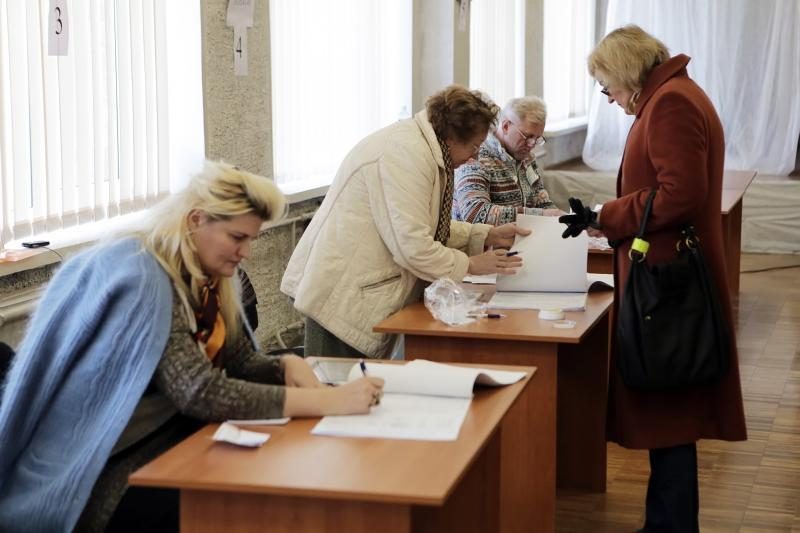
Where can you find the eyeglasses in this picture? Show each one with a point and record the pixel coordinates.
(531, 140)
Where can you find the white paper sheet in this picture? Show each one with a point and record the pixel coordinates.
(486, 279)
(261, 422)
(240, 437)
(549, 262)
(402, 416)
(435, 409)
(58, 28)
(566, 301)
(435, 379)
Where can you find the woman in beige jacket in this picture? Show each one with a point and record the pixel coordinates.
(385, 225)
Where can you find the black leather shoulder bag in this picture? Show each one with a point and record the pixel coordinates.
(671, 332)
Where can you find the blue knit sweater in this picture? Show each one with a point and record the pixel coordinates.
(91, 348)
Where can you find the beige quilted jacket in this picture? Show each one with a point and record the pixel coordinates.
(372, 238)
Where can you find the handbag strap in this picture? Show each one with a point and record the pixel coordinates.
(648, 206)
(639, 246)
(689, 238)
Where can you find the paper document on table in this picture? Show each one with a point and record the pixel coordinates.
(485, 279)
(240, 437)
(596, 281)
(261, 422)
(331, 372)
(402, 416)
(550, 263)
(566, 301)
(422, 400)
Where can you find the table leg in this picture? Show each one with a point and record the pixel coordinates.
(527, 442)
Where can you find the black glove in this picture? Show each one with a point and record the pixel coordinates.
(580, 219)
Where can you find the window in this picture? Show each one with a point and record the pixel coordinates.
(497, 53)
(497, 48)
(340, 70)
(568, 39)
(105, 130)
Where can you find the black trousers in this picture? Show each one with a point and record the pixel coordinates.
(672, 494)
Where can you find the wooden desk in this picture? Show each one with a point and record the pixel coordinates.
(571, 380)
(300, 482)
(734, 185)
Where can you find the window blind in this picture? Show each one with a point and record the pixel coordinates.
(86, 136)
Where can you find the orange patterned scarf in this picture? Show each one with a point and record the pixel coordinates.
(210, 324)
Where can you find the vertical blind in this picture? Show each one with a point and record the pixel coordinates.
(83, 137)
(497, 52)
(340, 70)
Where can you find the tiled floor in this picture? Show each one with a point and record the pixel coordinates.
(751, 486)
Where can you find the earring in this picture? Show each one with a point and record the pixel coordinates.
(631, 107)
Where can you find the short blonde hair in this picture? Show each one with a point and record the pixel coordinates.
(526, 108)
(458, 113)
(625, 57)
(221, 191)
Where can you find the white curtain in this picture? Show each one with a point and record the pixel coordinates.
(340, 70)
(745, 55)
(568, 33)
(497, 53)
(86, 136)
(497, 48)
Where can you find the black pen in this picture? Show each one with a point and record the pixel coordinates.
(363, 366)
(509, 254)
(486, 315)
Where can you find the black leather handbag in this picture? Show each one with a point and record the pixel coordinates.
(671, 332)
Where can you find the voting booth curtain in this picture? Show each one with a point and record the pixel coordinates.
(745, 55)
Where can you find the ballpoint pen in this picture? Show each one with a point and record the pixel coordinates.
(510, 254)
(486, 315)
(376, 398)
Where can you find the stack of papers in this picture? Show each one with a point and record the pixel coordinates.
(422, 401)
(566, 301)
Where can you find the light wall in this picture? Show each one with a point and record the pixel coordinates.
(238, 129)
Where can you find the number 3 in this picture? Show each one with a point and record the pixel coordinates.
(58, 21)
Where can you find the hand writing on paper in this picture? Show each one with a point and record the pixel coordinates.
(355, 397)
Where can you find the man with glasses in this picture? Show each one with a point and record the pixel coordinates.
(503, 180)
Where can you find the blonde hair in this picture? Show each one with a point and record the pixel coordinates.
(625, 57)
(221, 191)
(530, 108)
(457, 113)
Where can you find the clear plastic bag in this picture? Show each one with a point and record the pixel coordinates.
(449, 302)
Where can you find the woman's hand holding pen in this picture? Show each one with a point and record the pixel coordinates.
(356, 397)
(503, 236)
(495, 262)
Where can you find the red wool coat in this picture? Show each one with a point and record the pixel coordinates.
(675, 144)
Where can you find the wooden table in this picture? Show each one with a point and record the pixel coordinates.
(734, 185)
(564, 410)
(300, 482)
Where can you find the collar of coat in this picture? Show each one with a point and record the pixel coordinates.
(675, 66)
(426, 128)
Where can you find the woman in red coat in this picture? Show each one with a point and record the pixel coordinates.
(676, 145)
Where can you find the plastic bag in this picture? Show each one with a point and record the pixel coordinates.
(449, 302)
